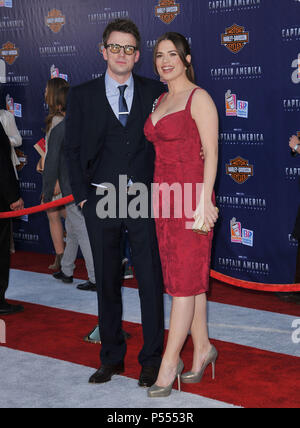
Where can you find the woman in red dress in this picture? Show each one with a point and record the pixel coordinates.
(184, 121)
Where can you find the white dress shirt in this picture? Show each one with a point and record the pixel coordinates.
(113, 93)
(8, 122)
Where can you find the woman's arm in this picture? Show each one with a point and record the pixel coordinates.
(205, 114)
(9, 124)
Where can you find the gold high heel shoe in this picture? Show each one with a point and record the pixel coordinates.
(191, 377)
(161, 391)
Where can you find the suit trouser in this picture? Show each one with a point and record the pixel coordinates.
(5, 231)
(77, 235)
(105, 237)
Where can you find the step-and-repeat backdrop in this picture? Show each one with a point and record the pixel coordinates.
(246, 55)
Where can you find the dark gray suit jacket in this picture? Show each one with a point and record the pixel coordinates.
(87, 119)
(56, 167)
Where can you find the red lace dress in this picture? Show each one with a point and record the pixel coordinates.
(185, 255)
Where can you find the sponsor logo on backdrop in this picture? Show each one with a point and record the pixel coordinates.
(96, 75)
(290, 34)
(26, 133)
(296, 73)
(235, 38)
(235, 107)
(236, 71)
(103, 17)
(23, 159)
(291, 104)
(54, 72)
(167, 10)
(6, 3)
(239, 170)
(55, 20)
(292, 173)
(21, 236)
(57, 50)
(9, 52)
(240, 200)
(17, 80)
(150, 44)
(242, 264)
(238, 137)
(232, 5)
(11, 24)
(14, 108)
(27, 186)
(240, 235)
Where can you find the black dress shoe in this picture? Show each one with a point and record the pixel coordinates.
(105, 373)
(87, 286)
(62, 277)
(148, 376)
(7, 309)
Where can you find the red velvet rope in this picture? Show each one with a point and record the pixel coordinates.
(38, 208)
(216, 275)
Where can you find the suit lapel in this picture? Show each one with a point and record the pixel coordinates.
(139, 104)
(99, 106)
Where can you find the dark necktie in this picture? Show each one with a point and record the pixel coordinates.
(123, 109)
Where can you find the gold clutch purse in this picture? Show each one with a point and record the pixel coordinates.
(199, 226)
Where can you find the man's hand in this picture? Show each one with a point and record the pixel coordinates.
(18, 205)
(82, 204)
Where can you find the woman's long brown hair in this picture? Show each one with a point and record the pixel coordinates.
(53, 86)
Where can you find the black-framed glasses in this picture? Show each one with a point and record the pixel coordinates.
(115, 48)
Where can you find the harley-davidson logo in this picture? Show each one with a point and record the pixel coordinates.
(22, 159)
(235, 38)
(167, 10)
(55, 20)
(9, 53)
(239, 170)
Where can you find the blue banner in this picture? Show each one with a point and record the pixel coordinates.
(246, 55)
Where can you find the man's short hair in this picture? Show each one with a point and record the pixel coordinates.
(123, 26)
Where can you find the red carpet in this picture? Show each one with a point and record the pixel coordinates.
(219, 292)
(244, 376)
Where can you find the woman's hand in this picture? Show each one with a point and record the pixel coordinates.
(294, 140)
(211, 214)
(205, 215)
(40, 166)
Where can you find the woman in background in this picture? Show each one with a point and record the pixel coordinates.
(55, 215)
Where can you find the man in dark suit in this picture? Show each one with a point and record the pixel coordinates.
(105, 140)
(9, 200)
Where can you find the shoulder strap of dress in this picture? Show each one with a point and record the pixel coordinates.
(189, 103)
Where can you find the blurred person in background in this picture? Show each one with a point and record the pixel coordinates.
(9, 200)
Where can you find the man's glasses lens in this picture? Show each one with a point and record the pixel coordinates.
(129, 50)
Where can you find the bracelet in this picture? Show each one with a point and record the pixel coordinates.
(296, 147)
